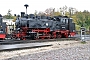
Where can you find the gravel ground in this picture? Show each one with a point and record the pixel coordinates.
(67, 50)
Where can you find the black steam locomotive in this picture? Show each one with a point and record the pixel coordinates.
(43, 27)
(3, 30)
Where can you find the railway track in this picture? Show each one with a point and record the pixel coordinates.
(20, 44)
(4, 42)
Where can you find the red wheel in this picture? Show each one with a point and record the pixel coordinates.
(53, 37)
(49, 36)
(23, 38)
(66, 36)
(42, 38)
(59, 36)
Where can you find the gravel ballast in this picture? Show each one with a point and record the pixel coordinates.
(77, 52)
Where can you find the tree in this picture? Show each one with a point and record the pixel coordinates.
(35, 13)
(57, 13)
(71, 11)
(9, 15)
(41, 13)
(63, 10)
(83, 18)
(50, 11)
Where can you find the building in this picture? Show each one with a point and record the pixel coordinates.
(10, 25)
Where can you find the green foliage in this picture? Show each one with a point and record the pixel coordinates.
(83, 42)
(77, 27)
(56, 13)
(9, 15)
(83, 18)
(14, 19)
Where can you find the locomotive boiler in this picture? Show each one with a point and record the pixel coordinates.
(43, 27)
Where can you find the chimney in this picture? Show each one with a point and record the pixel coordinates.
(22, 14)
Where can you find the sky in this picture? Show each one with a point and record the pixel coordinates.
(17, 6)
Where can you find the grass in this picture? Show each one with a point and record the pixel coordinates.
(83, 42)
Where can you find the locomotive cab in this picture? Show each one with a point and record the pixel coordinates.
(63, 23)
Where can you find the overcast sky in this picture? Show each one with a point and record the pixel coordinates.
(40, 5)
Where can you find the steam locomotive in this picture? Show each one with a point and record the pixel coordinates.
(3, 29)
(39, 27)
(43, 27)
